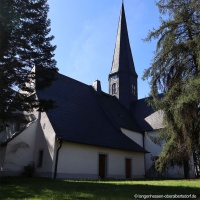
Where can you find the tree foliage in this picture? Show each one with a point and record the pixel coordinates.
(25, 42)
(175, 72)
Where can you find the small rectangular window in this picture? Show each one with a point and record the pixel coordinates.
(40, 158)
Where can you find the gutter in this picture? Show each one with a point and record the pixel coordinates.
(60, 140)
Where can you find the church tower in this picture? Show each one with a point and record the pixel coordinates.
(123, 77)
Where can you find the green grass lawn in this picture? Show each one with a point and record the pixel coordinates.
(48, 189)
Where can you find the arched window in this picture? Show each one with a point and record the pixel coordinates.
(114, 88)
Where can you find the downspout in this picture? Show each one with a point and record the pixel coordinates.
(60, 140)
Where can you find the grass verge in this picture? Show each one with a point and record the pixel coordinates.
(13, 188)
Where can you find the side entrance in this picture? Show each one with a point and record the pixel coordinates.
(102, 165)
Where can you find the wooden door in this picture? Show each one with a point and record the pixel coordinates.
(128, 168)
(102, 166)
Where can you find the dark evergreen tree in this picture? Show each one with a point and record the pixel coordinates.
(175, 71)
(24, 43)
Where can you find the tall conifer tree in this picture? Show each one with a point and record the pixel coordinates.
(25, 42)
(175, 71)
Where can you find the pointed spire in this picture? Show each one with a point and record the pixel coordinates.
(122, 59)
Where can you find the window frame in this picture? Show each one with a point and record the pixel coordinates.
(40, 158)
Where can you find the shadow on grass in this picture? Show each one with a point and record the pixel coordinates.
(40, 188)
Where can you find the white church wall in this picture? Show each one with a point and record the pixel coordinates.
(20, 151)
(77, 161)
(11, 130)
(25, 147)
(136, 137)
(155, 150)
(2, 157)
(8, 132)
(45, 145)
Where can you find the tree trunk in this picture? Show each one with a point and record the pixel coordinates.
(186, 169)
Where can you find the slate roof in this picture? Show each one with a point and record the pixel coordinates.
(119, 113)
(122, 59)
(145, 116)
(81, 115)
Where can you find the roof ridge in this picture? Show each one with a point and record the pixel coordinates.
(65, 76)
(127, 112)
(105, 111)
(114, 122)
(108, 113)
(149, 97)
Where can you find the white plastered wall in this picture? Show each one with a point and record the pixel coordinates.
(45, 141)
(136, 137)
(78, 161)
(155, 150)
(24, 149)
(20, 151)
(2, 157)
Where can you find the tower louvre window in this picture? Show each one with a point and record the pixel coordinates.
(114, 88)
(133, 89)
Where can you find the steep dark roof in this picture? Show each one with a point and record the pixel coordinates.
(119, 113)
(122, 59)
(80, 115)
(145, 116)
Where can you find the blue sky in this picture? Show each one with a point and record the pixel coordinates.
(85, 34)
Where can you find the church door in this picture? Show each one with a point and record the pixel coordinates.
(102, 165)
(128, 168)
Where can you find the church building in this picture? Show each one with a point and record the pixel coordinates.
(89, 134)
